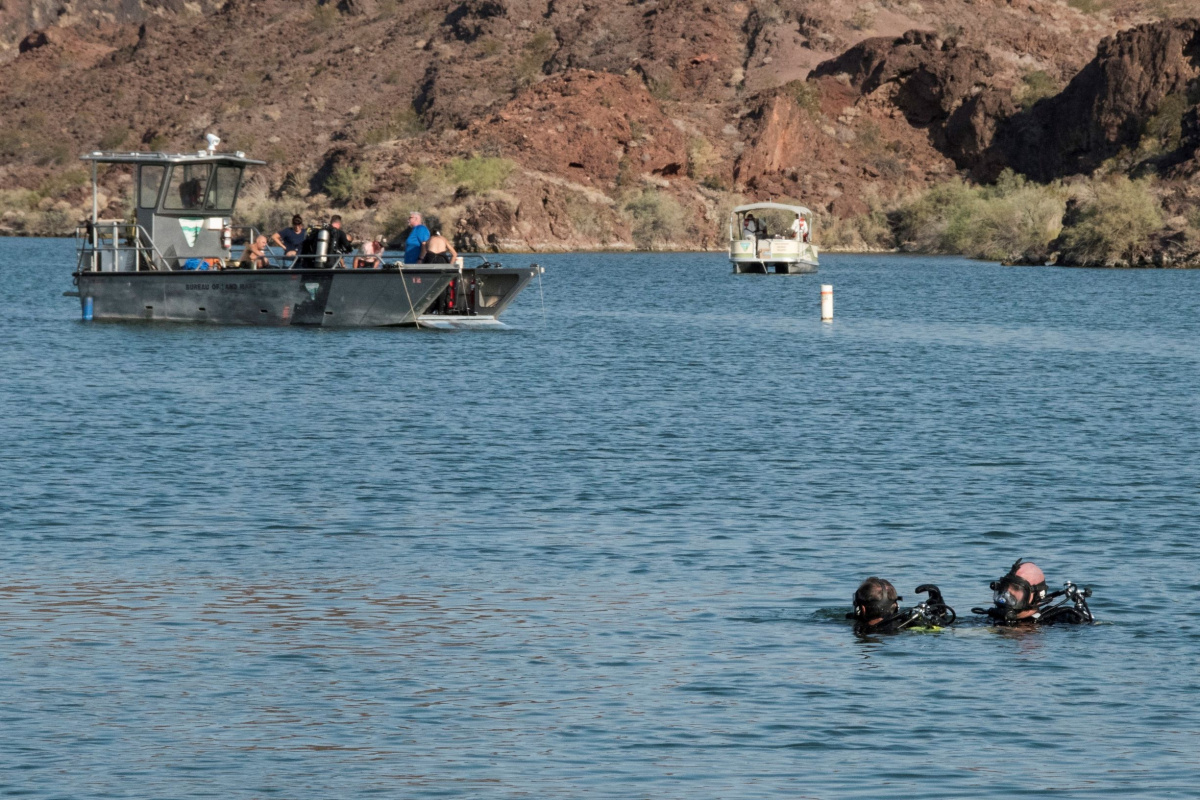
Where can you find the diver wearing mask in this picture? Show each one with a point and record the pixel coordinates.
(1021, 598)
(877, 609)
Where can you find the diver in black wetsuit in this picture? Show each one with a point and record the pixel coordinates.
(1020, 599)
(877, 609)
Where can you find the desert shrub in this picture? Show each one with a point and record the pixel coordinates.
(324, 18)
(257, 208)
(402, 124)
(392, 219)
(62, 182)
(656, 218)
(862, 18)
(1015, 218)
(534, 55)
(114, 138)
(347, 185)
(1113, 222)
(1163, 131)
(869, 231)
(1007, 221)
(701, 157)
(805, 95)
(1034, 86)
(661, 88)
(587, 218)
(1088, 6)
(478, 173)
(935, 221)
(1193, 218)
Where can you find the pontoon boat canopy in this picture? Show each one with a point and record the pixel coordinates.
(778, 206)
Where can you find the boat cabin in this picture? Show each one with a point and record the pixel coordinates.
(772, 237)
(184, 207)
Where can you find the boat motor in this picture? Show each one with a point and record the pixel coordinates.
(322, 247)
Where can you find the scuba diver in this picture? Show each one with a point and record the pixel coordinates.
(877, 609)
(1021, 598)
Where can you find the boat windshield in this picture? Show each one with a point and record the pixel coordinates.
(150, 178)
(187, 187)
(223, 191)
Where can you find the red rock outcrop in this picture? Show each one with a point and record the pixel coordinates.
(1105, 108)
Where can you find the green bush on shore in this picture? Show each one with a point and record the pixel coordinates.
(1015, 219)
(657, 217)
(1112, 223)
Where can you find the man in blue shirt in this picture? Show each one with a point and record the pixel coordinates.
(414, 245)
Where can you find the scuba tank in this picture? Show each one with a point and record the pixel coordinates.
(322, 247)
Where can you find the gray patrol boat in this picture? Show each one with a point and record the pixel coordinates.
(175, 262)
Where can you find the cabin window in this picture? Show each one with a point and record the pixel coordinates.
(150, 179)
(188, 185)
(223, 191)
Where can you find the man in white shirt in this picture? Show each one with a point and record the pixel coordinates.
(750, 227)
(800, 228)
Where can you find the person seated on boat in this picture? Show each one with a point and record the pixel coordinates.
(1020, 598)
(290, 239)
(255, 255)
(191, 193)
(368, 257)
(877, 609)
(418, 235)
(438, 250)
(750, 227)
(800, 228)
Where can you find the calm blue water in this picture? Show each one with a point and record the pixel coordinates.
(603, 554)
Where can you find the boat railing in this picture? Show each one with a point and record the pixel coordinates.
(120, 246)
(115, 246)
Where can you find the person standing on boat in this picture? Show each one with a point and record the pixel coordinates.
(418, 237)
(291, 239)
(340, 243)
(750, 227)
(438, 250)
(800, 228)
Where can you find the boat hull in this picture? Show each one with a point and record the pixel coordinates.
(777, 267)
(321, 298)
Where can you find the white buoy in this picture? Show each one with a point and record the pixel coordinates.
(826, 302)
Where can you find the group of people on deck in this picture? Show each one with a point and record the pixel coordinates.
(301, 249)
(753, 229)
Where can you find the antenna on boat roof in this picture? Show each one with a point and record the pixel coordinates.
(213, 140)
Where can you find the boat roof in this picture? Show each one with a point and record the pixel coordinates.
(198, 157)
(778, 206)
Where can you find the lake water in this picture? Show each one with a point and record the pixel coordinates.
(606, 552)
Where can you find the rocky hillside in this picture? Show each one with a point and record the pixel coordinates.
(561, 124)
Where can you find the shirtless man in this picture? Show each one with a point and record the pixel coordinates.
(255, 255)
(438, 250)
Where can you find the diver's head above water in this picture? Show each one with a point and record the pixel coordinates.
(1020, 593)
(874, 601)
